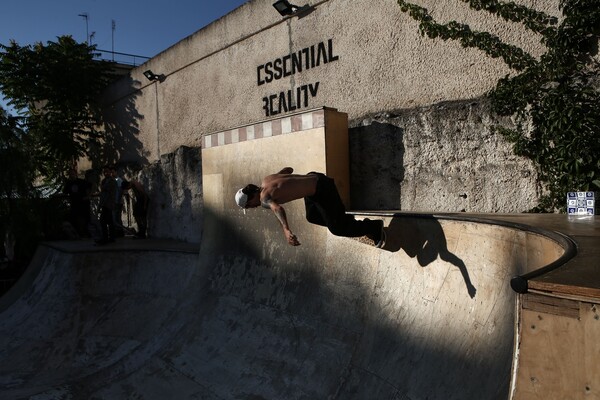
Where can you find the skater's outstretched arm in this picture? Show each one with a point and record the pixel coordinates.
(279, 212)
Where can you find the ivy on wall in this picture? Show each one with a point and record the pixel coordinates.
(555, 98)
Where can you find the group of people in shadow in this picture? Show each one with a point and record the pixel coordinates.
(105, 207)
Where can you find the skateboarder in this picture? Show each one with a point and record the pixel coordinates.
(321, 199)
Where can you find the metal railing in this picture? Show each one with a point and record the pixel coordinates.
(121, 58)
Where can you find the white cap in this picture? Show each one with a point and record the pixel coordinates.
(241, 198)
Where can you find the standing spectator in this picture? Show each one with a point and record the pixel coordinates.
(118, 211)
(140, 206)
(78, 190)
(108, 192)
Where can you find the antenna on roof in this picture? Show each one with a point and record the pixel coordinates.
(87, 35)
(114, 26)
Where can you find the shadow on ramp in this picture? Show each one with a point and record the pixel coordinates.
(425, 240)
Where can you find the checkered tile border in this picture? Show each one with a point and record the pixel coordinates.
(282, 126)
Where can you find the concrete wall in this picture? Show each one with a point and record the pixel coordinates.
(174, 184)
(414, 105)
(445, 157)
(176, 203)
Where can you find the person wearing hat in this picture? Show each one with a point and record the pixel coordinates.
(321, 199)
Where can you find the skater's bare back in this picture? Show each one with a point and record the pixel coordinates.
(285, 186)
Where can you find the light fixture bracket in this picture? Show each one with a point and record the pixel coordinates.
(285, 8)
(151, 75)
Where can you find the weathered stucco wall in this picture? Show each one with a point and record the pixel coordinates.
(174, 185)
(437, 147)
(445, 157)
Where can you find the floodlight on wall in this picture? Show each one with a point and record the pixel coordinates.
(284, 7)
(151, 76)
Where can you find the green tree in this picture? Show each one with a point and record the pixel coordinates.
(55, 88)
(555, 98)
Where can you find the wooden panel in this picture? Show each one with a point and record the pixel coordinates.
(558, 354)
(589, 293)
(551, 305)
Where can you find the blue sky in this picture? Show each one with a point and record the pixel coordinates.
(142, 28)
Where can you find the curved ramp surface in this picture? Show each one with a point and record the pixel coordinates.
(428, 317)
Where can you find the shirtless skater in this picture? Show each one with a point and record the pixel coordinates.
(322, 201)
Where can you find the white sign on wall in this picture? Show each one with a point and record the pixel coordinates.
(580, 203)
